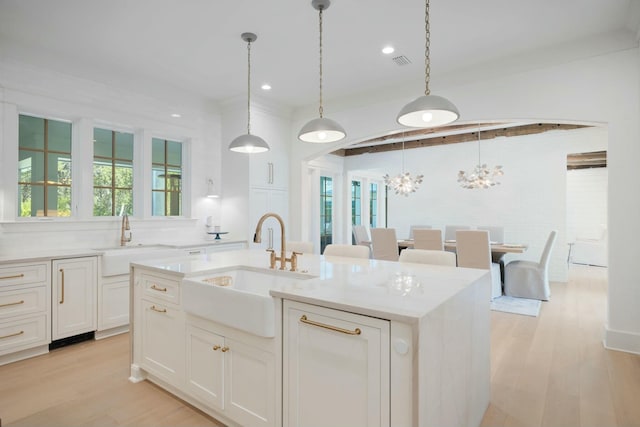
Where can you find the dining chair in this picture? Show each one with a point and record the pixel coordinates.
(349, 251)
(361, 235)
(416, 227)
(300, 246)
(496, 232)
(474, 251)
(427, 239)
(530, 279)
(384, 244)
(426, 256)
(450, 231)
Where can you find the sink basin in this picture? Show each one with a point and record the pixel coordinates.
(238, 297)
(116, 260)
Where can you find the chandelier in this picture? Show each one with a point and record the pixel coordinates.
(403, 183)
(481, 176)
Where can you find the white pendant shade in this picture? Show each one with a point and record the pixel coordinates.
(321, 130)
(249, 144)
(428, 111)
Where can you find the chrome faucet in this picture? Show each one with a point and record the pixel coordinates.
(124, 238)
(283, 251)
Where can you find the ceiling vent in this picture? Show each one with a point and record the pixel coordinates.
(401, 60)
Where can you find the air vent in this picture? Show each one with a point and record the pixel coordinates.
(401, 60)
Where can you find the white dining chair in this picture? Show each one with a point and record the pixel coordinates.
(361, 235)
(474, 251)
(450, 231)
(384, 244)
(427, 239)
(416, 227)
(426, 256)
(348, 251)
(496, 232)
(300, 246)
(530, 279)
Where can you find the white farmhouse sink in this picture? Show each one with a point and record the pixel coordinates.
(238, 297)
(116, 260)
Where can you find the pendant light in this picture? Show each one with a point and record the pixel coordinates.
(249, 143)
(322, 129)
(427, 110)
(481, 176)
(403, 183)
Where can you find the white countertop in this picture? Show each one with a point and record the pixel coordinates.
(385, 289)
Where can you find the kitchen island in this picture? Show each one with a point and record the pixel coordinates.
(339, 342)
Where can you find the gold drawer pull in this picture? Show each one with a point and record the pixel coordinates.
(225, 349)
(12, 303)
(159, 310)
(12, 335)
(155, 288)
(17, 276)
(304, 319)
(216, 347)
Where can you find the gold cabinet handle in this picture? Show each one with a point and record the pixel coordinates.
(17, 276)
(159, 310)
(304, 319)
(12, 335)
(12, 303)
(62, 291)
(156, 288)
(216, 347)
(225, 349)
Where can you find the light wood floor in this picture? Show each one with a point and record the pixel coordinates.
(546, 371)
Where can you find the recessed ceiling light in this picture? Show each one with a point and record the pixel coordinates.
(266, 86)
(388, 50)
(176, 115)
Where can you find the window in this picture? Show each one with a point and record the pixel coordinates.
(44, 167)
(356, 203)
(326, 211)
(166, 165)
(112, 172)
(373, 205)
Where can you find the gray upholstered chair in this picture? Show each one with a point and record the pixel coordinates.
(384, 244)
(474, 251)
(426, 256)
(530, 279)
(427, 239)
(349, 251)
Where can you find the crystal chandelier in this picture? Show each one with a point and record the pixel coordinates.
(481, 176)
(403, 183)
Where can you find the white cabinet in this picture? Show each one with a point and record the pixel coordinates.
(263, 200)
(234, 375)
(270, 169)
(74, 282)
(337, 358)
(25, 310)
(161, 328)
(113, 304)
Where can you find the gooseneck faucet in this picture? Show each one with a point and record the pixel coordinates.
(123, 230)
(257, 238)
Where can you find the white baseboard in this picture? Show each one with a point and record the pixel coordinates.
(622, 341)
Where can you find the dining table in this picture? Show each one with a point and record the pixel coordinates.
(496, 248)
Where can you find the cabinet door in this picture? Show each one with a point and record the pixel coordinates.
(205, 366)
(250, 384)
(163, 344)
(262, 201)
(336, 368)
(74, 283)
(113, 303)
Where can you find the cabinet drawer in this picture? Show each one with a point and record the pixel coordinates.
(162, 288)
(22, 334)
(23, 301)
(21, 274)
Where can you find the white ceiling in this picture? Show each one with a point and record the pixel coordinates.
(194, 46)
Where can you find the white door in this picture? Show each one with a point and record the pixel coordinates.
(336, 368)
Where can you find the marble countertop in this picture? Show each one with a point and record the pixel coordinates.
(386, 289)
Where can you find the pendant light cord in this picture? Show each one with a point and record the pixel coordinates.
(403, 138)
(249, 87)
(427, 48)
(479, 161)
(320, 22)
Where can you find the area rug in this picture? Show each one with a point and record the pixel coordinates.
(525, 306)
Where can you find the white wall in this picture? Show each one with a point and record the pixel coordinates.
(600, 88)
(529, 203)
(586, 203)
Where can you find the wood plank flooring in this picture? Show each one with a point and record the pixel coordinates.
(550, 370)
